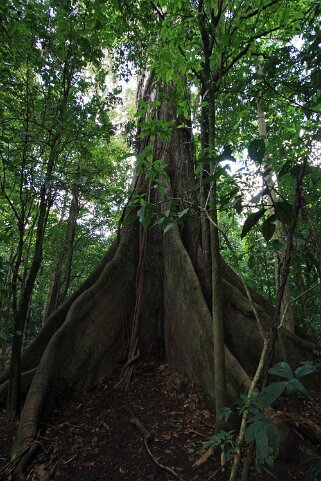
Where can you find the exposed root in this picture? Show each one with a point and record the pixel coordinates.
(28, 457)
(19, 462)
(88, 344)
(26, 378)
(139, 425)
(31, 356)
(204, 458)
(160, 465)
(305, 426)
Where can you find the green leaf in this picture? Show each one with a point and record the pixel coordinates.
(268, 228)
(223, 439)
(282, 369)
(238, 206)
(159, 221)
(283, 211)
(304, 370)
(271, 393)
(263, 451)
(274, 437)
(168, 76)
(224, 414)
(168, 227)
(250, 434)
(182, 213)
(141, 214)
(294, 386)
(251, 221)
(256, 150)
(260, 430)
(139, 113)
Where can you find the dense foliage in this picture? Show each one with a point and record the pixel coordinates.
(57, 144)
(242, 79)
(63, 147)
(63, 167)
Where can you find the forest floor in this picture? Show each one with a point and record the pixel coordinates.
(94, 437)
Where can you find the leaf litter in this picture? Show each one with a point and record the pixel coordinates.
(101, 434)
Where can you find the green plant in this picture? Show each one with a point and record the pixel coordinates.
(225, 440)
(264, 434)
(260, 430)
(290, 383)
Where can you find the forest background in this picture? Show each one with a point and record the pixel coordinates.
(71, 130)
(67, 132)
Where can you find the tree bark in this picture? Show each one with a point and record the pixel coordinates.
(60, 281)
(211, 239)
(286, 312)
(88, 336)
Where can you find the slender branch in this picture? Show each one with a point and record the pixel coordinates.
(219, 12)
(295, 299)
(262, 361)
(288, 98)
(248, 293)
(160, 465)
(17, 216)
(259, 10)
(158, 11)
(284, 272)
(247, 44)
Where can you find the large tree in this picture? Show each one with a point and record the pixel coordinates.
(148, 298)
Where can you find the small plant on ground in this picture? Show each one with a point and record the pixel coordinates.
(226, 441)
(260, 431)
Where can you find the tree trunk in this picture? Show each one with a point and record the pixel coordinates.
(209, 78)
(88, 336)
(286, 308)
(60, 281)
(21, 313)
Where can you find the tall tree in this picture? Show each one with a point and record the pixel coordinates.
(154, 282)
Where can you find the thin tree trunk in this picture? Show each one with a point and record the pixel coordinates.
(279, 256)
(21, 313)
(209, 78)
(20, 316)
(217, 289)
(69, 245)
(284, 273)
(61, 274)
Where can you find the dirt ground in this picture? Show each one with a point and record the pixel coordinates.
(97, 435)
